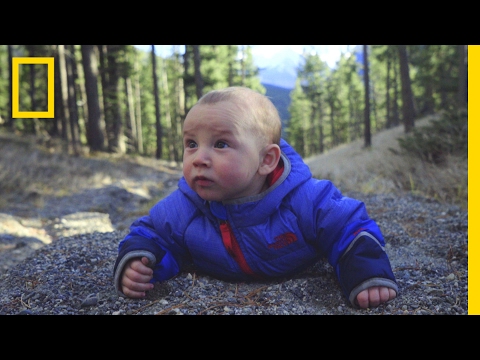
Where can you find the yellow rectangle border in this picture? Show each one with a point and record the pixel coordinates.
(473, 222)
(16, 62)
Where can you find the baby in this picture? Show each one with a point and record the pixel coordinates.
(248, 208)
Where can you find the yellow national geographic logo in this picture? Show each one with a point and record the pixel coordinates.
(16, 62)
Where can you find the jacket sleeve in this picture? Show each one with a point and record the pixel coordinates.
(364, 264)
(143, 240)
(352, 241)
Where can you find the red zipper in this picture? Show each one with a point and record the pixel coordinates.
(233, 248)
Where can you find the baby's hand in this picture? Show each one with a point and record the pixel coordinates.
(136, 277)
(374, 296)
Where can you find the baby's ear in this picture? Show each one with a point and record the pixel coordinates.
(270, 159)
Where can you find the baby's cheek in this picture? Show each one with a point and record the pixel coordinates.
(233, 176)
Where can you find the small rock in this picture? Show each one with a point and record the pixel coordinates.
(451, 277)
(91, 300)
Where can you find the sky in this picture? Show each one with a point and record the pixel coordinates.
(328, 53)
(263, 53)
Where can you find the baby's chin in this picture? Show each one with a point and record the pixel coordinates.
(214, 197)
(209, 195)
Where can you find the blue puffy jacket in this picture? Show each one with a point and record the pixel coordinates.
(294, 223)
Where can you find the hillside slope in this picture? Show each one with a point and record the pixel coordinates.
(377, 169)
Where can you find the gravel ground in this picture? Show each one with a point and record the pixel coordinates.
(59, 273)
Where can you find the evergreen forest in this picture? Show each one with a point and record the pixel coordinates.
(119, 99)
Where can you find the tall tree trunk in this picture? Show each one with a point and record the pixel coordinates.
(72, 98)
(396, 116)
(198, 74)
(230, 65)
(351, 116)
(10, 119)
(445, 69)
(331, 103)
(102, 54)
(180, 103)
(321, 136)
(33, 101)
(306, 135)
(56, 130)
(95, 137)
(374, 107)
(186, 67)
(132, 129)
(366, 80)
(359, 115)
(158, 123)
(389, 116)
(112, 101)
(408, 108)
(316, 145)
(429, 102)
(138, 107)
(462, 76)
(171, 133)
(81, 92)
(66, 135)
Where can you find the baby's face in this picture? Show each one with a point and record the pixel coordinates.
(221, 158)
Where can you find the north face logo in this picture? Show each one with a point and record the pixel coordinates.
(283, 240)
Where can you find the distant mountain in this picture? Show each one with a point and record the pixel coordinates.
(280, 97)
(279, 73)
(281, 70)
(279, 78)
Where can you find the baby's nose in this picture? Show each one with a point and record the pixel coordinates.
(202, 157)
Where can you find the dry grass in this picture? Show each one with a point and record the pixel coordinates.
(28, 168)
(352, 167)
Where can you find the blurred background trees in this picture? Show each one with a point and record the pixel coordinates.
(119, 99)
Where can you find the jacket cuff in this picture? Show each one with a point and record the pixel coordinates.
(369, 283)
(123, 261)
(364, 264)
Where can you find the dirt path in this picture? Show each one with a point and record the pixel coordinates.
(31, 220)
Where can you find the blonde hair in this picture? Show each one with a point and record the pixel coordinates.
(261, 114)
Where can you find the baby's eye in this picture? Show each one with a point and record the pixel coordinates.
(221, 145)
(190, 144)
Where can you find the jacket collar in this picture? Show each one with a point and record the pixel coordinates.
(295, 173)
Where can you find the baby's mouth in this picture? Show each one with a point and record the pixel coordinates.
(202, 181)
